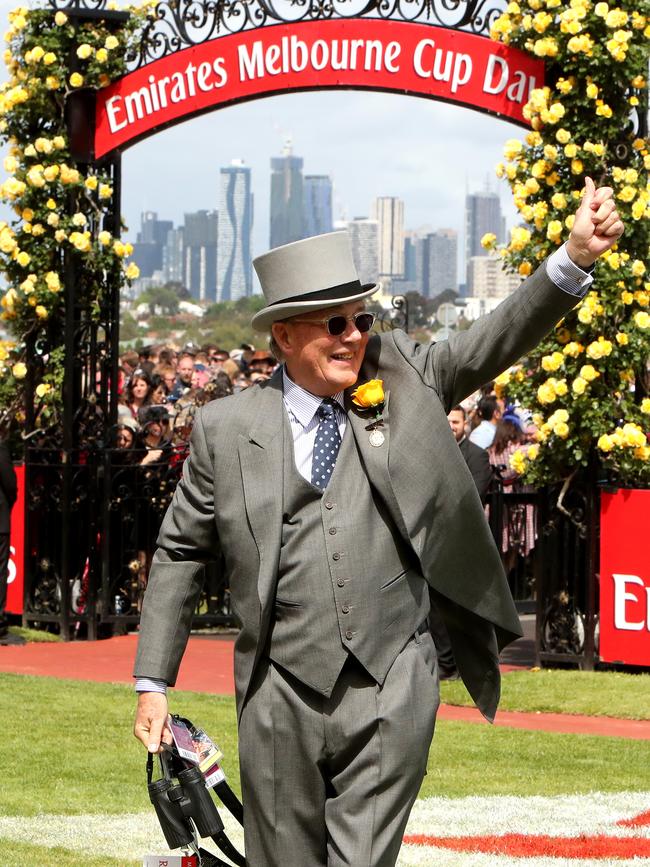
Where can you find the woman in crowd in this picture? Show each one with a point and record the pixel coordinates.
(519, 532)
(137, 393)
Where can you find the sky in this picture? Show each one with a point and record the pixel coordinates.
(427, 153)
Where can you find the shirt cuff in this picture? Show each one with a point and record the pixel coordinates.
(150, 684)
(566, 274)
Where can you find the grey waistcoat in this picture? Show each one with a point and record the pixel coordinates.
(347, 582)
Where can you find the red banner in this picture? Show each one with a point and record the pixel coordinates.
(409, 58)
(625, 578)
(17, 551)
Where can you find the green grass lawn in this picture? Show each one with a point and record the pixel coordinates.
(68, 749)
(594, 693)
(80, 734)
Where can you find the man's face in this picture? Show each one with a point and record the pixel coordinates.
(321, 363)
(456, 421)
(185, 369)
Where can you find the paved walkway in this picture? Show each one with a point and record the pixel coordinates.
(207, 667)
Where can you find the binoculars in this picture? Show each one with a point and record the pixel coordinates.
(186, 810)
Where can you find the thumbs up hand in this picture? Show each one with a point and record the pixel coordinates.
(597, 225)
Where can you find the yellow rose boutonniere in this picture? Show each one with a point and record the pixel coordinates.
(369, 394)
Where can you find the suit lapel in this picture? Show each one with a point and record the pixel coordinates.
(261, 457)
(375, 458)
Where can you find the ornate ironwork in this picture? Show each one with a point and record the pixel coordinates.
(178, 24)
(397, 316)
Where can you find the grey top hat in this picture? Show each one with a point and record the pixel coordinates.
(308, 275)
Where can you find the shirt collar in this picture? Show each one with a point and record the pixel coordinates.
(302, 403)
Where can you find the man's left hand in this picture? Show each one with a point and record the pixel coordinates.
(597, 226)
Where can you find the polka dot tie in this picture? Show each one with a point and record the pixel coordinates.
(326, 446)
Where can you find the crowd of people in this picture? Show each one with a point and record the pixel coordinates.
(161, 388)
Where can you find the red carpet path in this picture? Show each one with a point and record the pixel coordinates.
(207, 667)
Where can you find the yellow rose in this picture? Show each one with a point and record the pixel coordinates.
(104, 238)
(518, 462)
(105, 191)
(605, 443)
(76, 80)
(49, 58)
(577, 167)
(488, 240)
(19, 370)
(573, 349)
(60, 18)
(642, 319)
(633, 436)
(58, 142)
(42, 389)
(525, 269)
(638, 268)
(563, 136)
(101, 55)
(79, 219)
(642, 453)
(24, 259)
(369, 394)
(584, 315)
(589, 372)
(532, 452)
(561, 429)
(111, 42)
(645, 405)
(579, 385)
(546, 392)
(51, 173)
(132, 272)
(622, 338)
(552, 362)
(561, 387)
(52, 280)
(84, 51)
(554, 230)
(627, 297)
(41, 312)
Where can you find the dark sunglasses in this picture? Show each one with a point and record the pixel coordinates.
(337, 324)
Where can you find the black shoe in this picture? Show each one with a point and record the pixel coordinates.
(4, 627)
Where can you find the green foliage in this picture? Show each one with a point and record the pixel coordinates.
(587, 381)
(61, 212)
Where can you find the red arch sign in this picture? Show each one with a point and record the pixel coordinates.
(374, 54)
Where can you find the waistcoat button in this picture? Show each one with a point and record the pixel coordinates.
(332, 531)
(345, 609)
(329, 505)
(340, 582)
(336, 556)
(349, 634)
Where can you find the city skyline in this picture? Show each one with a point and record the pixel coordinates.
(351, 137)
(301, 206)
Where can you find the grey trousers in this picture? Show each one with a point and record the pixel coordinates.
(331, 781)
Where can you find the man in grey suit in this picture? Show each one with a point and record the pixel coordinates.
(332, 521)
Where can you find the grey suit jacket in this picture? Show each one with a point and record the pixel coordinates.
(227, 505)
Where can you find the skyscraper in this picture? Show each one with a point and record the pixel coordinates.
(150, 240)
(317, 205)
(364, 235)
(389, 213)
(286, 198)
(482, 215)
(443, 268)
(234, 270)
(200, 251)
(173, 257)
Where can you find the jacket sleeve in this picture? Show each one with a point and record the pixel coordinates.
(188, 539)
(457, 367)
